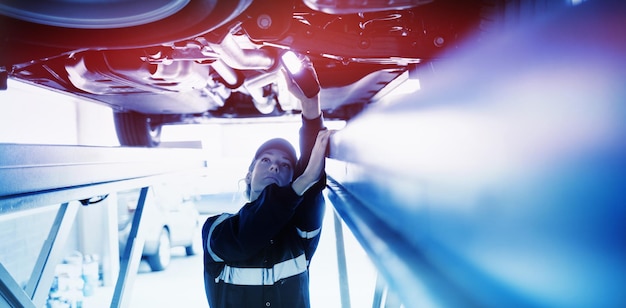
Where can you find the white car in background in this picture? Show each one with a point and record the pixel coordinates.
(170, 219)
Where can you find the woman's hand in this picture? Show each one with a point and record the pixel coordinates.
(316, 164)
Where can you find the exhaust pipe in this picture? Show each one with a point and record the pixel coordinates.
(244, 59)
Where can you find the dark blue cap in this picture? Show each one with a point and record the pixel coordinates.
(278, 144)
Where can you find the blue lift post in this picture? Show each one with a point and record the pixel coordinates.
(502, 182)
(33, 176)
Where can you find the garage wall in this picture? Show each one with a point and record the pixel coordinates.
(32, 115)
(21, 238)
(38, 116)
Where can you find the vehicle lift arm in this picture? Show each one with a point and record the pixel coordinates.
(33, 176)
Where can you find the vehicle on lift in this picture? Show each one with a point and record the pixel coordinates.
(169, 219)
(170, 62)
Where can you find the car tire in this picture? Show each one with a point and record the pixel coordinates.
(136, 129)
(56, 29)
(196, 244)
(190, 250)
(161, 259)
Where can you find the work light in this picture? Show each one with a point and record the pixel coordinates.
(301, 72)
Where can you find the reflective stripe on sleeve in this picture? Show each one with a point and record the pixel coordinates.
(308, 234)
(263, 276)
(219, 220)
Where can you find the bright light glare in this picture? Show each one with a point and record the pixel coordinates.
(291, 61)
(407, 87)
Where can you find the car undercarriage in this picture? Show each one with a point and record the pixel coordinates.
(202, 59)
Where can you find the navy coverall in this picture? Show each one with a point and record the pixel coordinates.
(259, 257)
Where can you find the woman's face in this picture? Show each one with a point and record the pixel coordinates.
(272, 166)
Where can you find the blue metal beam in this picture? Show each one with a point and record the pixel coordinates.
(34, 176)
(501, 182)
(51, 254)
(11, 294)
(131, 256)
(33, 169)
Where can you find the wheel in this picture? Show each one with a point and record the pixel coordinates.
(161, 259)
(114, 24)
(136, 129)
(196, 244)
(190, 250)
